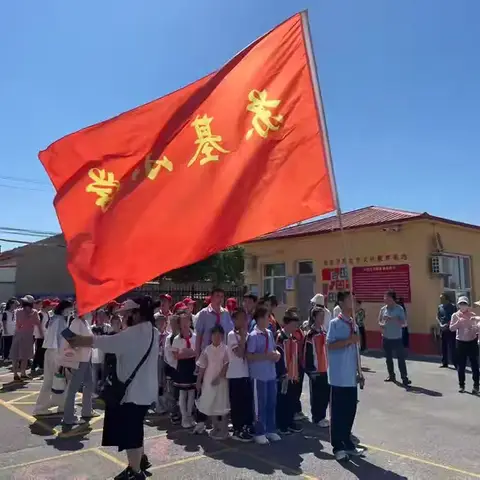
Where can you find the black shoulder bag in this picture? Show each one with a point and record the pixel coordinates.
(114, 390)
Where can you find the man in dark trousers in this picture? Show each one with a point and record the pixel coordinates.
(342, 344)
(444, 314)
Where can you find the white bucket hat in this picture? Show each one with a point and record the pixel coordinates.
(318, 299)
(127, 306)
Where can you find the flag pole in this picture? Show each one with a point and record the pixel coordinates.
(328, 153)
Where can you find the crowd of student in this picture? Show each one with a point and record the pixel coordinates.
(237, 364)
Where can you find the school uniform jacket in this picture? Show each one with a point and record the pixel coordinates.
(315, 352)
(290, 349)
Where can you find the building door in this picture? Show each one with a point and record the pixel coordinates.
(305, 287)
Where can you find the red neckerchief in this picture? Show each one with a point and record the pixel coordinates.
(349, 322)
(267, 339)
(187, 340)
(218, 315)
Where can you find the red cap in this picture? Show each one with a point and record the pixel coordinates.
(188, 301)
(167, 297)
(179, 306)
(231, 301)
(47, 303)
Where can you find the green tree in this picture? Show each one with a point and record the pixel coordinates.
(223, 267)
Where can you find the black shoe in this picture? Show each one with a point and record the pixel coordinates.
(461, 390)
(475, 391)
(129, 474)
(145, 463)
(390, 379)
(295, 428)
(242, 436)
(443, 366)
(406, 382)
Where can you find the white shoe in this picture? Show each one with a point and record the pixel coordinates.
(186, 423)
(356, 452)
(199, 428)
(261, 440)
(273, 437)
(341, 455)
(323, 423)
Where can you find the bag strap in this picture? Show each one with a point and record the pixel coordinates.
(142, 361)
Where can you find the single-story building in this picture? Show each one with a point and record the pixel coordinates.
(418, 255)
(39, 269)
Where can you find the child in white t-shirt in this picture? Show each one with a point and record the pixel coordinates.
(239, 383)
(183, 349)
(212, 384)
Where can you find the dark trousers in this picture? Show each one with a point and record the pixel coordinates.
(343, 408)
(363, 338)
(241, 402)
(286, 403)
(391, 346)
(297, 391)
(7, 345)
(448, 347)
(467, 350)
(39, 357)
(319, 396)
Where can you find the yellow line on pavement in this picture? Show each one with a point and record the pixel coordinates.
(421, 460)
(46, 459)
(109, 457)
(14, 400)
(193, 458)
(26, 416)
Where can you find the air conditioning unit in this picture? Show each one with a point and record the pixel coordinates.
(437, 265)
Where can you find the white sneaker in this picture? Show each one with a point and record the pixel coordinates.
(341, 455)
(323, 423)
(273, 437)
(199, 428)
(261, 440)
(186, 423)
(356, 452)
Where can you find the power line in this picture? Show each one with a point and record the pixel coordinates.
(18, 187)
(25, 180)
(27, 231)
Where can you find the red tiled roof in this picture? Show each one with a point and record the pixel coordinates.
(363, 217)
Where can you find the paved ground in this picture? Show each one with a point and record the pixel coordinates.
(430, 432)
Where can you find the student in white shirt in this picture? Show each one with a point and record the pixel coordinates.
(81, 376)
(123, 424)
(38, 333)
(239, 383)
(8, 322)
(51, 343)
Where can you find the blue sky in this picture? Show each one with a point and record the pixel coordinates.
(400, 84)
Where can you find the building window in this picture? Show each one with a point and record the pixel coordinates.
(274, 280)
(305, 268)
(458, 280)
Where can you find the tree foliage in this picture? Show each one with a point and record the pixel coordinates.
(223, 267)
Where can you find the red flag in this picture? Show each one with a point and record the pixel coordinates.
(233, 156)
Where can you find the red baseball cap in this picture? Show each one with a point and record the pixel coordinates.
(167, 297)
(179, 306)
(188, 301)
(47, 303)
